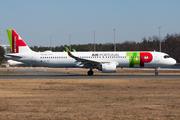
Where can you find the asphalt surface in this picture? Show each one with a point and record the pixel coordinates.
(36, 74)
(88, 77)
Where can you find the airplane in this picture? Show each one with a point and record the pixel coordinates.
(106, 62)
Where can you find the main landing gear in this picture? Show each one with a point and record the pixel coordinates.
(156, 72)
(90, 72)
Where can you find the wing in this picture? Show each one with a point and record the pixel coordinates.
(83, 62)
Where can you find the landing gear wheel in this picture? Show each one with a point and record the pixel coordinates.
(90, 72)
(156, 73)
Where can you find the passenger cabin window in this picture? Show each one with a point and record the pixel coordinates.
(167, 56)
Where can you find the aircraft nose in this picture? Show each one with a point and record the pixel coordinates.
(173, 61)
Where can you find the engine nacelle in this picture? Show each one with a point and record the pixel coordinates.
(108, 67)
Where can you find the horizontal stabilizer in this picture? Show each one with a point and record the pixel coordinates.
(12, 56)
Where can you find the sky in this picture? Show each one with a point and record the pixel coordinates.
(36, 20)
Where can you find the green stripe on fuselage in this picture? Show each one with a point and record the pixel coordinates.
(9, 33)
(134, 58)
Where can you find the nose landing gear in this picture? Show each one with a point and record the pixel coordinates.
(156, 72)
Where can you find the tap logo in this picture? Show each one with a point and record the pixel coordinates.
(139, 58)
(16, 42)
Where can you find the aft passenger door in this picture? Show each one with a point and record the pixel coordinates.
(33, 58)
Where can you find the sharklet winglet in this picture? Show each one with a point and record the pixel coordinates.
(67, 50)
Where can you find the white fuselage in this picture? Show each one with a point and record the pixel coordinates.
(63, 60)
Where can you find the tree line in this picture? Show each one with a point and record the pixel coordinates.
(169, 44)
(2, 52)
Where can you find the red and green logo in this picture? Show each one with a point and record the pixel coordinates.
(15, 41)
(139, 58)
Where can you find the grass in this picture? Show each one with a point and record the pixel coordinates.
(148, 99)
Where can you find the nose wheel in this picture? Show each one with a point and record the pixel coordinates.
(156, 72)
(90, 72)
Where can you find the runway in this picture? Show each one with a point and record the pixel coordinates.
(43, 74)
(89, 77)
(51, 75)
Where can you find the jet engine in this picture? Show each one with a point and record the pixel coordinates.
(108, 67)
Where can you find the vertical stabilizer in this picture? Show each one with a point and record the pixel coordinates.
(16, 43)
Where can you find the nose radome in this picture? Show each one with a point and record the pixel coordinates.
(173, 61)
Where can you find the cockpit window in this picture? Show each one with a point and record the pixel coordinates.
(167, 56)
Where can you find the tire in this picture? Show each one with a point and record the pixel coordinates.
(90, 72)
(156, 73)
